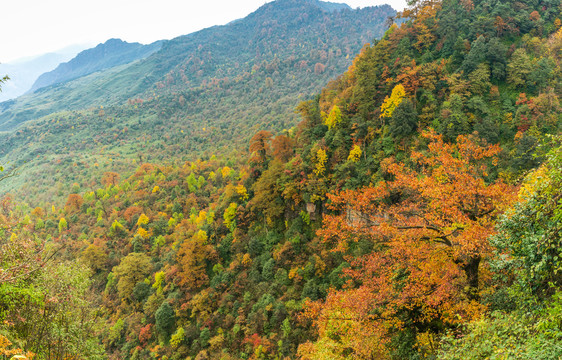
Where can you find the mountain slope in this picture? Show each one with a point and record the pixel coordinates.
(296, 33)
(112, 53)
(361, 233)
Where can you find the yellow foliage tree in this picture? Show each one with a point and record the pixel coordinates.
(143, 233)
(355, 154)
(242, 191)
(143, 220)
(321, 158)
(391, 103)
(333, 118)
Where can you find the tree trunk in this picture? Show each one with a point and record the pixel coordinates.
(470, 268)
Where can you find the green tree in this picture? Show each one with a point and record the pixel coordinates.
(454, 121)
(475, 56)
(480, 79)
(497, 58)
(165, 320)
(404, 120)
(132, 269)
(519, 68)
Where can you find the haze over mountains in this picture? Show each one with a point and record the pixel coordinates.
(23, 73)
(279, 34)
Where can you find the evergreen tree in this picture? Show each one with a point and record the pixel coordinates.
(404, 120)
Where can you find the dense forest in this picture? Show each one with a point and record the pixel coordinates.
(413, 212)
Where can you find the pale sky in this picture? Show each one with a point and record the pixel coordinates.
(34, 27)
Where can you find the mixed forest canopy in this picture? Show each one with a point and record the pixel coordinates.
(413, 212)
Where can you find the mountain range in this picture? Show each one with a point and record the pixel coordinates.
(282, 34)
(24, 72)
(112, 53)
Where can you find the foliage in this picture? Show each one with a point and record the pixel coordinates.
(429, 228)
(352, 234)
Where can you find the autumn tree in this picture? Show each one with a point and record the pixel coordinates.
(391, 103)
(282, 147)
(333, 118)
(133, 268)
(110, 178)
(193, 256)
(429, 227)
(260, 147)
(74, 202)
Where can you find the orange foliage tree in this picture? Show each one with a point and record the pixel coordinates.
(193, 257)
(259, 146)
(74, 202)
(429, 226)
(110, 178)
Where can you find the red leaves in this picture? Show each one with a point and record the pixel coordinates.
(430, 226)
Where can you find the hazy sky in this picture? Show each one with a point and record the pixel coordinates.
(32, 27)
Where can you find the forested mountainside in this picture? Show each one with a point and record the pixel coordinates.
(238, 78)
(414, 212)
(298, 43)
(112, 53)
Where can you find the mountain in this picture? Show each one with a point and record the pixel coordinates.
(278, 38)
(112, 53)
(412, 213)
(207, 91)
(23, 73)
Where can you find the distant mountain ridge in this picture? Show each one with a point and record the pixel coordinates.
(311, 41)
(23, 73)
(112, 53)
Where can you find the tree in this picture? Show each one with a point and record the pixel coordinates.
(497, 58)
(165, 320)
(475, 56)
(110, 178)
(282, 147)
(133, 268)
(334, 118)
(259, 146)
(429, 227)
(480, 79)
(530, 232)
(36, 310)
(404, 120)
(74, 202)
(454, 121)
(193, 256)
(392, 102)
(519, 68)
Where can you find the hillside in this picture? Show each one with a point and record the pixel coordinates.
(412, 213)
(279, 36)
(217, 87)
(112, 53)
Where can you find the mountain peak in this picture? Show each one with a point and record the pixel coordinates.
(323, 5)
